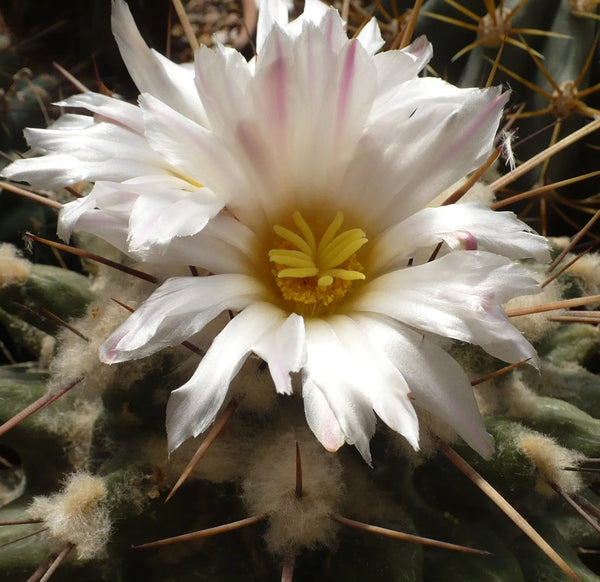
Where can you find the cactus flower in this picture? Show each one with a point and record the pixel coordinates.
(301, 181)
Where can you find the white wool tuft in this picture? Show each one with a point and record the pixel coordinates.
(295, 523)
(13, 268)
(77, 515)
(550, 460)
(76, 357)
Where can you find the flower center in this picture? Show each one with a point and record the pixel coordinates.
(315, 275)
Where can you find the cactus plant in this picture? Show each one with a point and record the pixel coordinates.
(90, 469)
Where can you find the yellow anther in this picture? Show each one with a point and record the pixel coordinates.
(314, 275)
(325, 281)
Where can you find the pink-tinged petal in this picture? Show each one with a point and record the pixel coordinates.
(370, 37)
(276, 82)
(471, 225)
(269, 91)
(418, 145)
(438, 383)
(284, 350)
(178, 309)
(420, 50)
(329, 367)
(466, 241)
(382, 384)
(192, 408)
(152, 73)
(320, 418)
(354, 97)
(464, 141)
(334, 28)
(310, 105)
(347, 87)
(459, 295)
(108, 109)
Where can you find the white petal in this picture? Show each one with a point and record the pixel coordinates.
(80, 149)
(178, 309)
(310, 105)
(97, 141)
(438, 384)
(157, 209)
(192, 408)
(113, 203)
(284, 350)
(157, 219)
(459, 296)
(55, 171)
(397, 67)
(370, 37)
(182, 77)
(191, 148)
(431, 135)
(109, 109)
(463, 141)
(381, 383)
(233, 232)
(111, 228)
(329, 368)
(152, 73)
(420, 50)
(204, 251)
(320, 15)
(221, 80)
(270, 12)
(320, 418)
(498, 232)
(315, 11)
(224, 246)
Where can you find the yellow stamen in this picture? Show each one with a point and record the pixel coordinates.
(298, 273)
(331, 231)
(294, 238)
(312, 275)
(303, 227)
